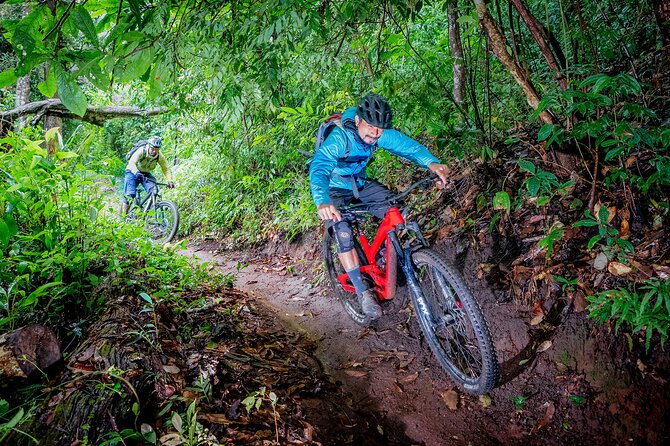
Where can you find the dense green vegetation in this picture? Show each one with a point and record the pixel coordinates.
(246, 84)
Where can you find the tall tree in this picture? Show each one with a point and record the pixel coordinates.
(498, 45)
(456, 54)
(662, 13)
(545, 41)
(22, 85)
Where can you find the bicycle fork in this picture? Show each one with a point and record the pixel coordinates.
(405, 257)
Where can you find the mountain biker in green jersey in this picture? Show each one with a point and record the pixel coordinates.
(138, 171)
(337, 178)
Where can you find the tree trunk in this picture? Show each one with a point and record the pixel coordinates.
(457, 55)
(22, 98)
(543, 39)
(662, 13)
(22, 86)
(120, 364)
(498, 45)
(30, 349)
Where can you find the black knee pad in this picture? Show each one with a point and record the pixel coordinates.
(344, 237)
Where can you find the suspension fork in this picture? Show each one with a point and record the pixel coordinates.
(405, 256)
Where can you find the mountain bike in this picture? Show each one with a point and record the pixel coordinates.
(161, 217)
(447, 313)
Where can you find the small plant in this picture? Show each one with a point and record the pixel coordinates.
(189, 431)
(541, 184)
(554, 234)
(614, 245)
(519, 401)
(566, 284)
(10, 418)
(577, 400)
(256, 398)
(649, 312)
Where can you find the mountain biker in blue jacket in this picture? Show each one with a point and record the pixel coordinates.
(337, 176)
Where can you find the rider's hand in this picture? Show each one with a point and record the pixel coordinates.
(327, 211)
(441, 170)
(170, 184)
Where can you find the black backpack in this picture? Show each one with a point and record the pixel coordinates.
(325, 129)
(139, 144)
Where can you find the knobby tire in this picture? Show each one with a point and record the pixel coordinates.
(453, 323)
(164, 222)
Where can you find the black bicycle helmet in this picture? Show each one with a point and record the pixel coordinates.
(375, 111)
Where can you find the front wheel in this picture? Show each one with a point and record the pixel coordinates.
(163, 222)
(453, 323)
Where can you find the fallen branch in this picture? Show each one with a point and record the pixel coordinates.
(93, 115)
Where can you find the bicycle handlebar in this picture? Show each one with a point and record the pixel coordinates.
(364, 207)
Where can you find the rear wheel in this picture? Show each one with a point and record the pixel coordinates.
(335, 270)
(453, 323)
(163, 222)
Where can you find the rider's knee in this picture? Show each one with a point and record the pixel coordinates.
(344, 238)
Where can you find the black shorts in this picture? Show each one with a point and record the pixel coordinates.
(370, 192)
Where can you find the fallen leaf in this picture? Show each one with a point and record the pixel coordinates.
(625, 229)
(397, 388)
(171, 369)
(618, 269)
(450, 398)
(356, 373)
(579, 301)
(546, 345)
(641, 366)
(548, 415)
(410, 378)
(217, 418)
(600, 262)
(537, 319)
(485, 400)
(309, 430)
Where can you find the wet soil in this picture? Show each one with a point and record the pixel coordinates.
(562, 380)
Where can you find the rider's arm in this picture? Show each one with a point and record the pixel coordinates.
(405, 147)
(165, 167)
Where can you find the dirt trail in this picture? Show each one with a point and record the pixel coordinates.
(569, 394)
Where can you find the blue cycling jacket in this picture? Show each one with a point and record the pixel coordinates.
(330, 167)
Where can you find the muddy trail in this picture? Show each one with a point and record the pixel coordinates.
(562, 381)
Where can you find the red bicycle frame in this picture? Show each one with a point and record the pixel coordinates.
(384, 280)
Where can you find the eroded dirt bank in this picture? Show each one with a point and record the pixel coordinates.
(562, 382)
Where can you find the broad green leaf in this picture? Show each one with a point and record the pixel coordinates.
(11, 224)
(84, 23)
(7, 78)
(533, 184)
(146, 298)
(138, 64)
(527, 165)
(40, 291)
(544, 132)
(51, 134)
(4, 234)
(50, 85)
(69, 91)
(23, 43)
(501, 201)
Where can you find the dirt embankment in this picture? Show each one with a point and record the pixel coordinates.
(562, 381)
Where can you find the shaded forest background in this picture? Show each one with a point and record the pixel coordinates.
(560, 108)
